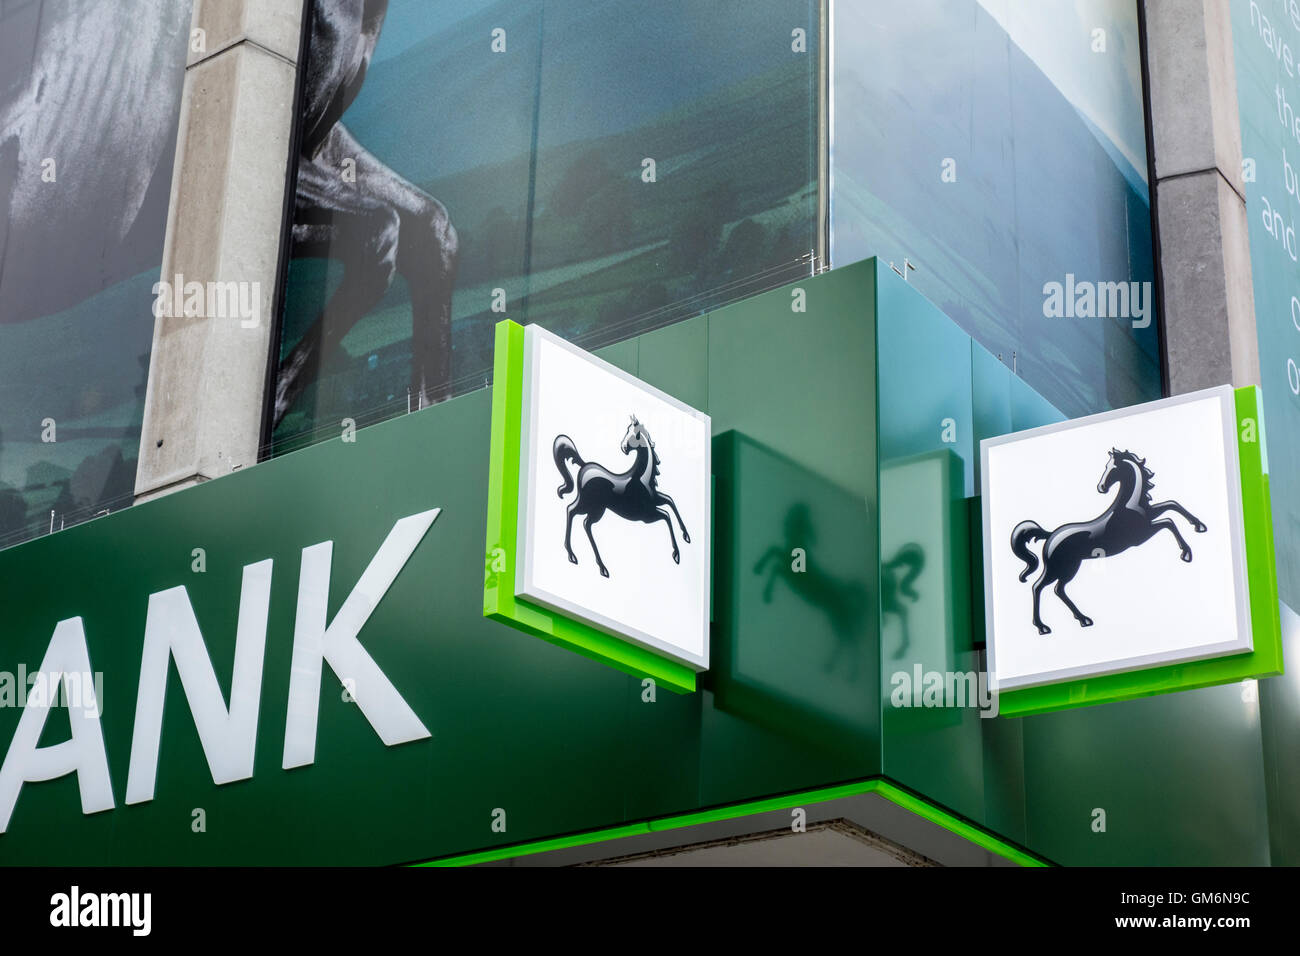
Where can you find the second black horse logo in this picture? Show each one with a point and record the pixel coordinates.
(632, 494)
(1131, 519)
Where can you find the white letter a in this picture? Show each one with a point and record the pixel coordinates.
(83, 754)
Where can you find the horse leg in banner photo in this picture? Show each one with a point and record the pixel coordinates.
(327, 222)
(427, 249)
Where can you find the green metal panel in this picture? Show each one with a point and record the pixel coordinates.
(999, 407)
(795, 640)
(803, 383)
(1179, 777)
(561, 743)
(676, 360)
(1279, 710)
(927, 451)
(800, 387)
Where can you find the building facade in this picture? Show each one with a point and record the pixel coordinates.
(255, 264)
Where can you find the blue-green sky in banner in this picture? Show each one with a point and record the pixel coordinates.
(537, 153)
(1000, 146)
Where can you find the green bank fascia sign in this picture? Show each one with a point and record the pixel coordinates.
(292, 664)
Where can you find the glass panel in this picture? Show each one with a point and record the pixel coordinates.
(607, 168)
(439, 130)
(930, 671)
(793, 687)
(999, 148)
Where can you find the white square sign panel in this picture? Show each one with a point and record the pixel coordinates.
(614, 501)
(1114, 542)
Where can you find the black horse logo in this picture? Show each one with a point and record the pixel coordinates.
(1131, 519)
(631, 495)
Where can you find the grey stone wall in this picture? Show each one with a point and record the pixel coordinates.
(1199, 196)
(207, 374)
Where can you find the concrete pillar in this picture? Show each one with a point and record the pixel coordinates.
(1199, 196)
(207, 374)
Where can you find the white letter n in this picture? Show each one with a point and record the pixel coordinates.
(379, 702)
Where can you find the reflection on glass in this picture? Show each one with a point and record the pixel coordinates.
(844, 602)
(600, 167)
(796, 645)
(898, 587)
(920, 517)
(937, 394)
(999, 146)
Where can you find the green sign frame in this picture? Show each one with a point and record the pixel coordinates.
(499, 600)
(883, 788)
(1265, 614)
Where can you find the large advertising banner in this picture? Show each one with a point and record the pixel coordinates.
(89, 97)
(994, 151)
(598, 167)
(1266, 47)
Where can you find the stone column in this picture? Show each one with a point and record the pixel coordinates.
(207, 374)
(1199, 195)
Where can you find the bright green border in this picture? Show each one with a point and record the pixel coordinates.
(1265, 615)
(884, 788)
(499, 601)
